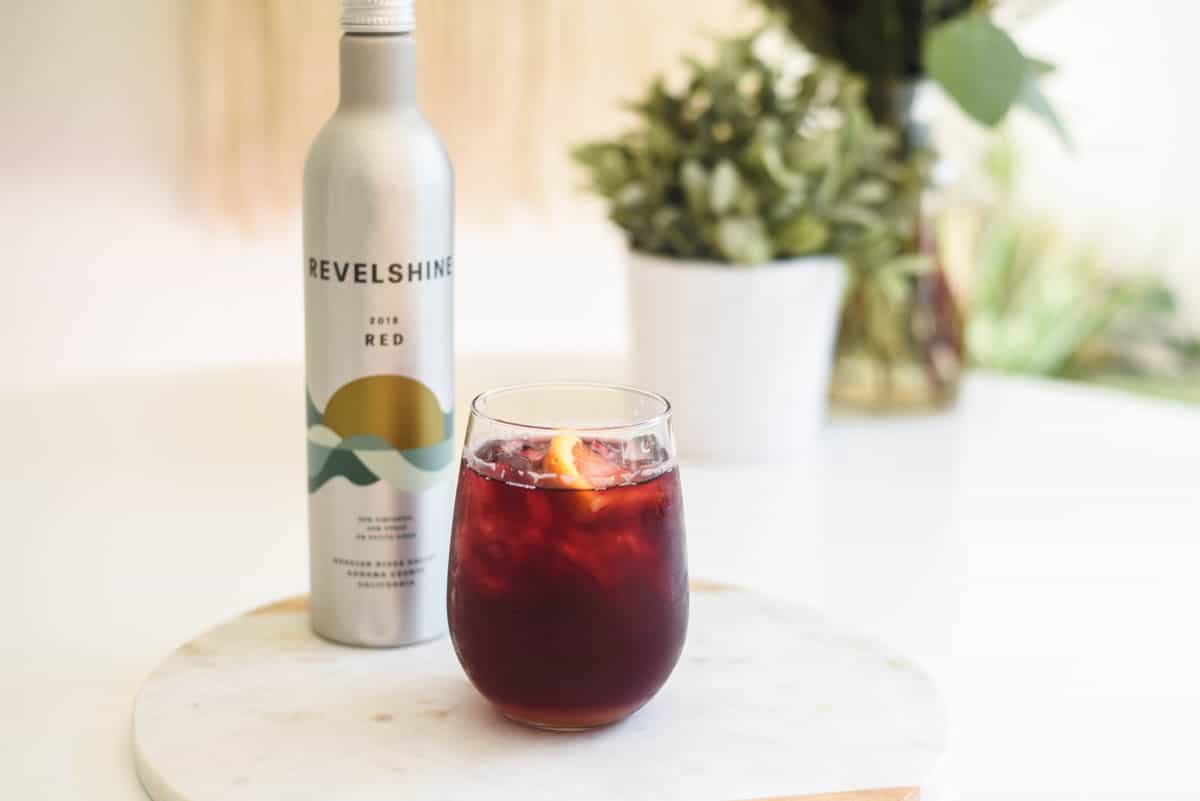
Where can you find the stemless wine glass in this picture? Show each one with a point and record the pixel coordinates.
(568, 594)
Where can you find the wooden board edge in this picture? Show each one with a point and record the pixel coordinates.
(704, 585)
(890, 794)
(298, 603)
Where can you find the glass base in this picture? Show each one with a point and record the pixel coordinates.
(567, 723)
(898, 352)
(533, 724)
(863, 384)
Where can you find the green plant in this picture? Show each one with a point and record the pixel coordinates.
(956, 43)
(766, 153)
(1042, 304)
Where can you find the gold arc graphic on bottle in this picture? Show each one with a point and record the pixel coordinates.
(399, 410)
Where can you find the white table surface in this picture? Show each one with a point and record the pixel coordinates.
(1036, 550)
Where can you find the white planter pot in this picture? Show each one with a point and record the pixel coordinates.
(742, 353)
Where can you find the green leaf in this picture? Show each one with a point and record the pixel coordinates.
(1033, 100)
(978, 65)
(803, 235)
(1038, 67)
(695, 186)
(870, 192)
(744, 240)
(777, 170)
(723, 189)
(810, 154)
(606, 163)
(908, 265)
(632, 194)
(855, 215)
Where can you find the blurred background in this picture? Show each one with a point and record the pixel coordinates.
(1035, 549)
(150, 157)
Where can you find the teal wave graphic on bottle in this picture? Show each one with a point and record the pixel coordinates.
(380, 428)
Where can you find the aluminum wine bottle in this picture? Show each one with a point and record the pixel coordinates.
(378, 278)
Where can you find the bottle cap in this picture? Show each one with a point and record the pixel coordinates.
(378, 16)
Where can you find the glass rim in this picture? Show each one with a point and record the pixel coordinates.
(660, 417)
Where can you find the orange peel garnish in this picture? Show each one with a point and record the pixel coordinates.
(560, 460)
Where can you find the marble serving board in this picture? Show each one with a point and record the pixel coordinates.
(768, 701)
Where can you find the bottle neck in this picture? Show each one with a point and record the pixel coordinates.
(378, 70)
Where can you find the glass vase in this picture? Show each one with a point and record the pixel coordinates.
(900, 344)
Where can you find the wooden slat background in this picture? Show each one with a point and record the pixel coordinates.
(509, 83)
